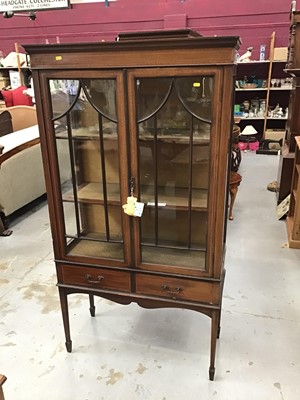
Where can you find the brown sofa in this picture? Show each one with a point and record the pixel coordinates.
(21, 116)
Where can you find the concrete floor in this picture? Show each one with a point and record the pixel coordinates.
(130, 353)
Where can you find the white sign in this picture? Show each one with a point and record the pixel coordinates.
(32, 5)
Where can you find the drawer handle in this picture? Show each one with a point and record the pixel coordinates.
(170, 292)
(90, 279)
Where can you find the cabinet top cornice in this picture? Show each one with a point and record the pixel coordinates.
(136, 53)
(198, 42)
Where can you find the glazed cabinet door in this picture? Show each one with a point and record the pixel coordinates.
(86, 136)
(176, 139)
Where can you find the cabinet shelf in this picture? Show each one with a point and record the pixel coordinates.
(191, 258)
(262, 62)
(92, 193)
(262, 119)
(86, 134)
(280, 88)
(178, 199)
(254, 62)
(251, 90)
(253, 118)
(96, 248)
(14, 68)
(277, 119)
(100, 249)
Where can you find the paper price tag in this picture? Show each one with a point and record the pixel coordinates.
(152, 204)
(138, 209)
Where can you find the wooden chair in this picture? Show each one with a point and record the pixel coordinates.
(234, 177)
(2, 380)
(234, 182)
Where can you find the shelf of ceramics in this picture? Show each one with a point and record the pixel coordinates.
(254, 118)
(251, 89)
(281, 88)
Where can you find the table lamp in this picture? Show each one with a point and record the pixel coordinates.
(248, 136)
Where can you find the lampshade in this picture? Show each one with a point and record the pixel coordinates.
(249, 130)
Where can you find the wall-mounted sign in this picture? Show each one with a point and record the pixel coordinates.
(32, 5)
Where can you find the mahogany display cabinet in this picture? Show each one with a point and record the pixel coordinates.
(147, 120)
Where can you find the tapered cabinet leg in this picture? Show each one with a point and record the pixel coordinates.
(213, 343)
(219, 330)
(65, 314)
(219, 320)
(92, 305)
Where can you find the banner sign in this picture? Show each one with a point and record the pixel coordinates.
(32, 5)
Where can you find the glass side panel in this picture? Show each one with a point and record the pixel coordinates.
(86, 132)
(174, 157)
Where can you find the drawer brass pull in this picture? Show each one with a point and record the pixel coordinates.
(90, 279)
(167, 289)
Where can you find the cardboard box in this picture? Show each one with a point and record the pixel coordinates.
(280, 53)
(275, 134)
(4, 81)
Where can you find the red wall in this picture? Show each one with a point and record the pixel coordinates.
(254, 21)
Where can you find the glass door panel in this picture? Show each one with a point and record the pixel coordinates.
(86, 131)
(174, 126)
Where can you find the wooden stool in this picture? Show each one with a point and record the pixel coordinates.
(234, 182)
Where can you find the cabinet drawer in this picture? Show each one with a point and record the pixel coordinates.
(174, 288)
(96, 278)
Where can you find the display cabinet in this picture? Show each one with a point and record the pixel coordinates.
(285, 170)
(293, 60)
(293, 219)
(147, 120)
(286, 162)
